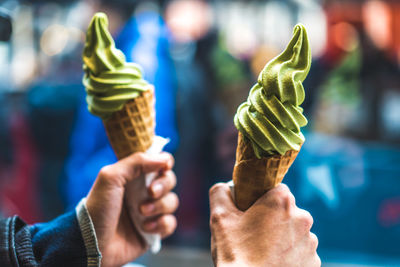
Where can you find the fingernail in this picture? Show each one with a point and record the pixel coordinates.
(157, 189)
(147, 209)
(151, 226)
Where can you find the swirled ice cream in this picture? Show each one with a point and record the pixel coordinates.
(109, 80)
(271, 117)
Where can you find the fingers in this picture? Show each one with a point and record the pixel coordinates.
(134, 166)
(138, 164)
(163, 203)
(164, 225)
(162, 185)
(166, 205)
(221, 202)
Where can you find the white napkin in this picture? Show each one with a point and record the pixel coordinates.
(140, 185)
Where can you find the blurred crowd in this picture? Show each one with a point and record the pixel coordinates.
(203, 57)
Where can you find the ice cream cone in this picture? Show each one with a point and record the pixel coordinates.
(132, 129)
(253, 176)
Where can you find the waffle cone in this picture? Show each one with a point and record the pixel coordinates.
(131, 129)
(253, 176)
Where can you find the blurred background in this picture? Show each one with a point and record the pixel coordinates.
(203, 57)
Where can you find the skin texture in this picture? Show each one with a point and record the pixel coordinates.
(272, 232)
(118, 239)
(271, 117)
(109, 80)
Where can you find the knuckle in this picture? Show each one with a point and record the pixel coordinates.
(106, 171)
(170, 203)
(175, 199)
(218, 216)
(289, 199)
(313, 241)
(173, 179)
(170, 180)
(283, 198)
(215, 188)
(170, 159)
(317, 261)
(138, 161)
(109, 174)
(163, 222)
(283, 187)
(167, 224)
(174, 223)
(303, 221)
(307, 219)
(139, 156)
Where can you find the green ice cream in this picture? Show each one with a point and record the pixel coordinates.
(110, 81)
(271, 117)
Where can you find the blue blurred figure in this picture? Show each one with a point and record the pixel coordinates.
(144, 40)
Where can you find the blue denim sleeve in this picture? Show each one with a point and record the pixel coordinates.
(56, 243)
(59, 242)
(69, 240)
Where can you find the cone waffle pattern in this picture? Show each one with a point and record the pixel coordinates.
(253, 177)
(131, 129)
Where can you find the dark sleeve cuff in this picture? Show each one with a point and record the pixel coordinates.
(8, 252)
(88, 234)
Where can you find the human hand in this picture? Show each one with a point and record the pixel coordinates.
(272, 232)
(118, 239)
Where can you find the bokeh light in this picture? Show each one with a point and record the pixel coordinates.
(54, 39)
(313, 17)
(377, 20)
(345, 36)
(188, 19)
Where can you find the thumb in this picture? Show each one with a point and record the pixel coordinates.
(139, 164)
(221, 199)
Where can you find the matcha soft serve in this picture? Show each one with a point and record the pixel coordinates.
(271, 117)
(109, 80)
